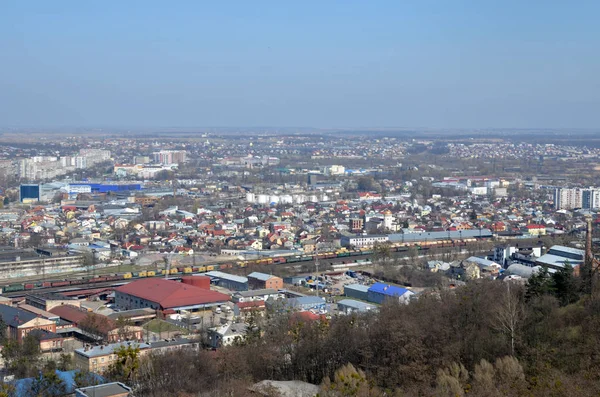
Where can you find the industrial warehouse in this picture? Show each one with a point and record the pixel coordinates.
(192, 294)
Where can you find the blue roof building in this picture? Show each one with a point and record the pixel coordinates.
(23, 386)
(380, 292)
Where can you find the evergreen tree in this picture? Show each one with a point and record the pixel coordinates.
(564, 285)
(538, 284)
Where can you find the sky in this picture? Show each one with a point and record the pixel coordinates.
(325, 64)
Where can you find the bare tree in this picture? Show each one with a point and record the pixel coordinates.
(510, 313)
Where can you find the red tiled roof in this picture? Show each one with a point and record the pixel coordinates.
(70, 313)
(79, 317)
(533, 226)
(251, 304)
(169, 293)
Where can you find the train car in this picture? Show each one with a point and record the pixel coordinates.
(163, 272)
(113, 277)
(81, 281)
(127, 275)
(29, 286)
(135, 275)
(173, 271)
(279, 259)
(143, 274)
(242, 264)
(210, 268)
(13, 288)
(226, 266)
(150, 273)
(60, 283)
(187, 270)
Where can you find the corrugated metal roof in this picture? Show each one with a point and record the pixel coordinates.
(356, 304)
(386, 289)
(170, 294)
(557, 261)
(357, 287)
(569, 250)
(306, 300)
(226, 276)
(260, 276)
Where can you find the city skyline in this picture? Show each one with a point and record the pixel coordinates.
(352, 64)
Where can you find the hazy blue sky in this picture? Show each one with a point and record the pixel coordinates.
(446, 63)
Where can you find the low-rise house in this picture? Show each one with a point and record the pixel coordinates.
(227, 334)
(19, 323)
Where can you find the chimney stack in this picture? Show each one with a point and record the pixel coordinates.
(589, 256)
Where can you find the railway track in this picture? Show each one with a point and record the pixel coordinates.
(240, 271)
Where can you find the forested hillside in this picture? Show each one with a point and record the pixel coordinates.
(489, 338)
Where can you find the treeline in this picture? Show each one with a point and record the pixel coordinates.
(489, 338)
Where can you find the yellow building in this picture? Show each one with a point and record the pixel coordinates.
(99, 358)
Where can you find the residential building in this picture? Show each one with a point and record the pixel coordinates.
(169, 157)
(175, 344)
(536, 230)
(227, 334)
(363, 240)
(99, 358)
(19, 323)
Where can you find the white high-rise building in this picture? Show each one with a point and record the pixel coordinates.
(570, 198)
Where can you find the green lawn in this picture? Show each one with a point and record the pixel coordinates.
(158, 326)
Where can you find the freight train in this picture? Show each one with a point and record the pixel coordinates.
(340, 253)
